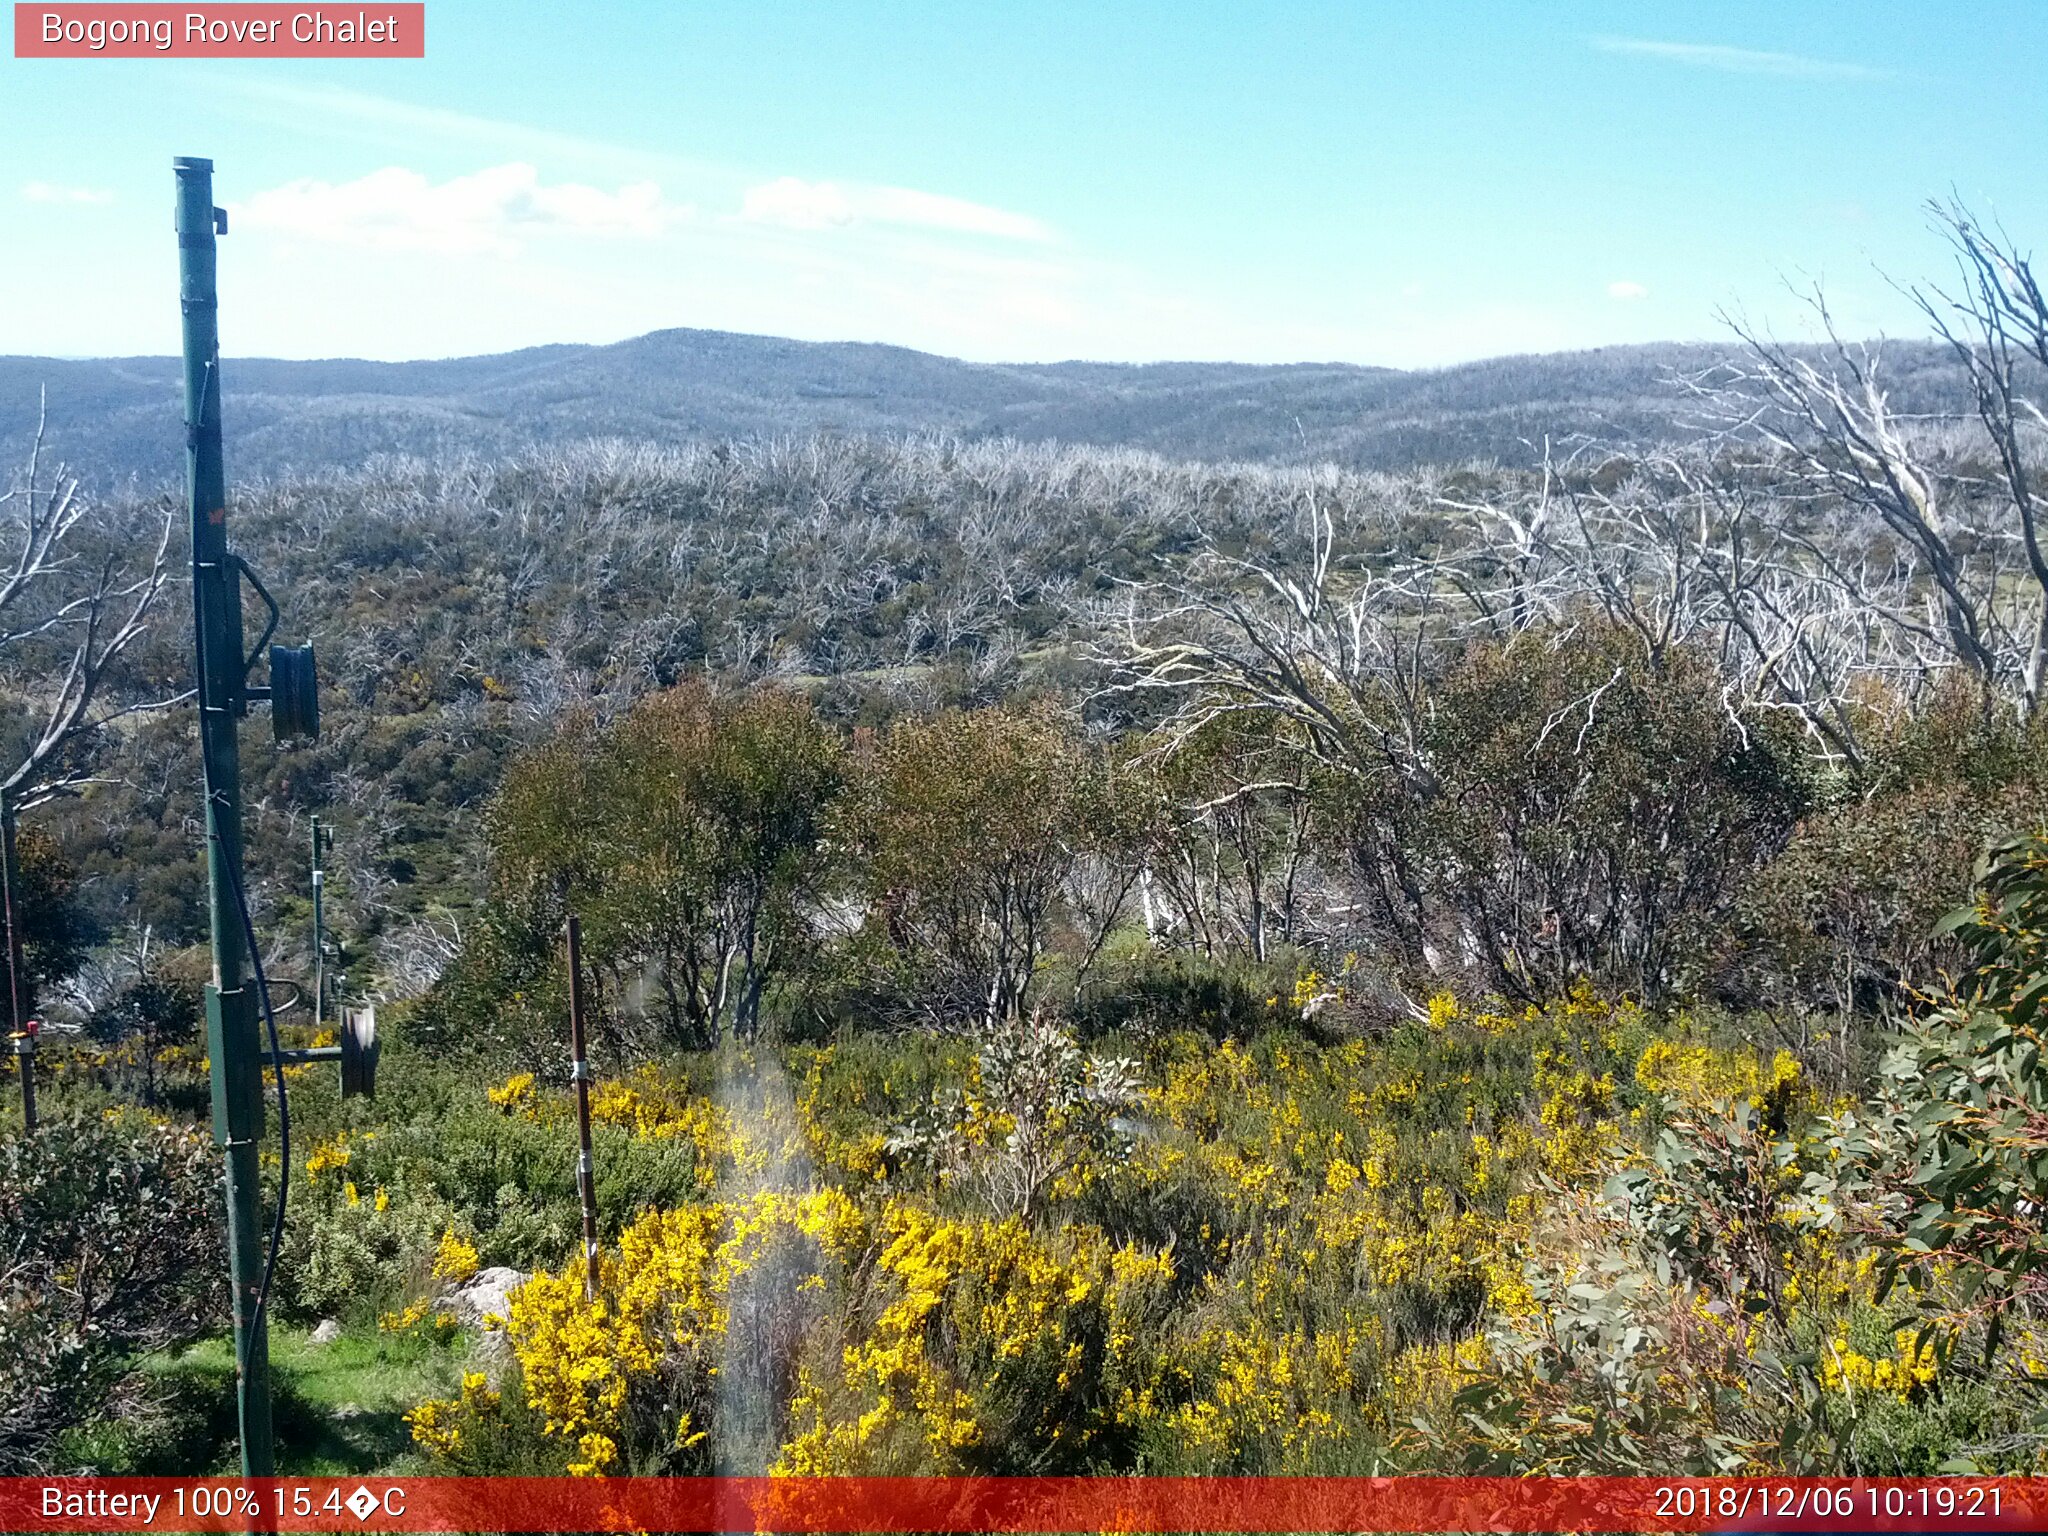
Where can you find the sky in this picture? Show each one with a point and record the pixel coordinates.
(1405, 184)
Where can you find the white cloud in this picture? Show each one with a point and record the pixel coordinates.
(797, 204)
(397, 209)
(50, 192)
(1626, 290)
(792, 203)
(1741, 61)
(389, 121)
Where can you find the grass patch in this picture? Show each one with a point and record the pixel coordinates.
(337, 1409)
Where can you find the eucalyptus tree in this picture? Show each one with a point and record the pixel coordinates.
(688, 835)
(974, 840)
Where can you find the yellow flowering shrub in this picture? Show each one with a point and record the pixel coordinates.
(661, 1304)
(407, 1317)
(515, 1095)
(1042, 1344)
(655, 1106)
(1298, 1253)
(327, 1155)
(438, 1426)
(1907, 1372)
(1694, 1075)
(455, 1258)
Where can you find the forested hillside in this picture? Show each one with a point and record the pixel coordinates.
(118, 418)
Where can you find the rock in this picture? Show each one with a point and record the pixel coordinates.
(481, 1304)
(495, 1357)
(485, 1294)
(328, 1331)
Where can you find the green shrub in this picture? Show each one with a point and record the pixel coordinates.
(1844, 920)
(1842, 924)
(1593, 812)
(1965, 1146)
(977, 841)
(110, 1248)
(367, 1221)
(1157, 993)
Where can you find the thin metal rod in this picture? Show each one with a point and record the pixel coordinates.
(304, 1054)
(579, 1074)
(17, 979)
(25, 1054)
(319, 936)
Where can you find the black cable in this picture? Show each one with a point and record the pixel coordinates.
(284, 1109)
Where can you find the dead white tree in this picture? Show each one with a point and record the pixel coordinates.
(73, 600)
(1694, 548)
(1336, 652)
(1933, 576)
(1995, 321)
(1330, 653)
(68, 613)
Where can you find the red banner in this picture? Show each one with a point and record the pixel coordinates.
(262, 31)
(1024, 1504)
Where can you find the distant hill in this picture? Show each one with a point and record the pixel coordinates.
(117, 418)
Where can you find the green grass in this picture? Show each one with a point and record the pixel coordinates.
(338, 1409)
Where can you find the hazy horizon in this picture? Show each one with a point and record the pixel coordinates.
(230, 355)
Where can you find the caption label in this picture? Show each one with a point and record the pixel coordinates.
(242, 31)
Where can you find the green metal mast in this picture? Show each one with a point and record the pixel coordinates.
(231, 1005)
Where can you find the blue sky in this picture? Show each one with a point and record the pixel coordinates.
(1409, 184)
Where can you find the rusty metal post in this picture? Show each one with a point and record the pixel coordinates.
(579, 1074)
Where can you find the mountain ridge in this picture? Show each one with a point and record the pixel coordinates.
(118, 419)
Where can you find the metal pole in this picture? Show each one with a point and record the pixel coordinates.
(231, 1013)
(17, 984)
(579, 1074)
(319, 937)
